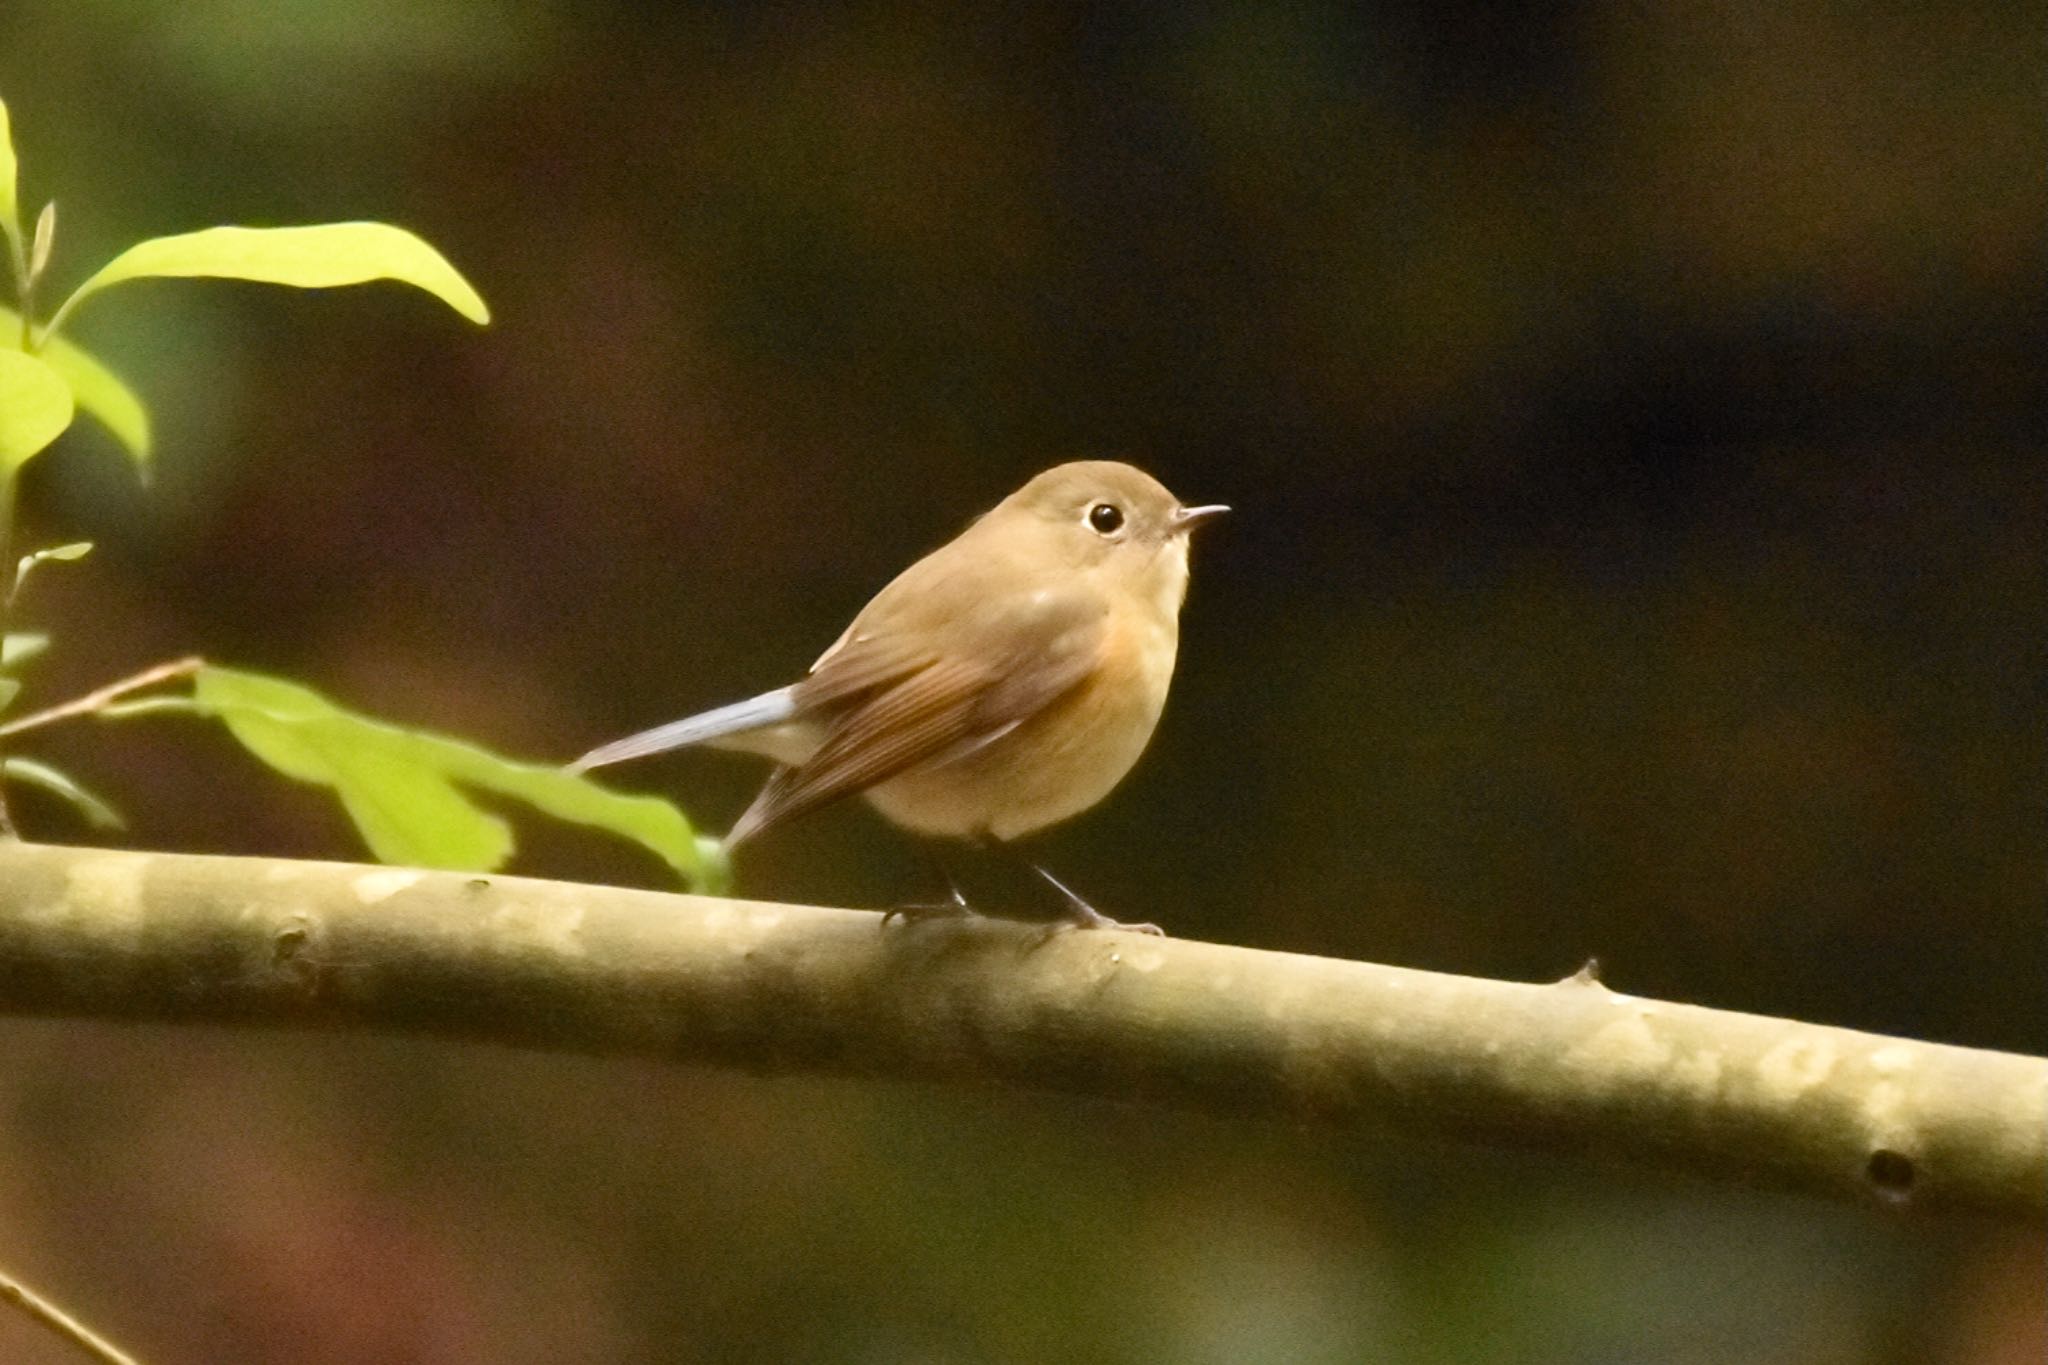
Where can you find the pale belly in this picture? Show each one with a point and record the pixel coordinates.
(1053, 766)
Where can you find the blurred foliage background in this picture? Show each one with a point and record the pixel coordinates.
(1636, 420)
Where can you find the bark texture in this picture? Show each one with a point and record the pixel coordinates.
(1570, 1066)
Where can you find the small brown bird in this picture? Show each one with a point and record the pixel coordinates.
(1004, 682)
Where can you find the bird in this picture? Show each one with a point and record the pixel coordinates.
(1005, 682)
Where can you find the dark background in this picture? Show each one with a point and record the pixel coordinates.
(1636, 419)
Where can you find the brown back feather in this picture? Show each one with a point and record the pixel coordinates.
(898, 703)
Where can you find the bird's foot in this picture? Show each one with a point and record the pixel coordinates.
(1082, 915)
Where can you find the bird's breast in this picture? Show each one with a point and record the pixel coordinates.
(1058, 762)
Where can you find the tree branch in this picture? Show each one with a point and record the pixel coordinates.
(1569, 1067)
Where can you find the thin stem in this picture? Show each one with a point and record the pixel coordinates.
(16, 254)
(151, 706)
(24, 291)
(99, 698)
(58, 318)
(24, 286)
(25, 295)
(7, 491)
(61, 1322)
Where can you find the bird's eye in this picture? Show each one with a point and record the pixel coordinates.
(1106, 517)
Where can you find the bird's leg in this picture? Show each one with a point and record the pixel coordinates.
(1080, 914)
(954, 906)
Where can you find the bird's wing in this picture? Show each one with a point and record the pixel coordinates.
(860, 663)
(1014, 662)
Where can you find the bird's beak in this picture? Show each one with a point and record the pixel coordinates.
(1188, 518)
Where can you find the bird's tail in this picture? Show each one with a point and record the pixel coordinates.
(770, 708)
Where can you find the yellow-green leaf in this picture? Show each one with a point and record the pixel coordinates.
(35, 407)
(321, 256)
(97, 390)
(22, 645)
(406, 790)
(8, 204)
(45, 241)
(29, 563)
(406, 812)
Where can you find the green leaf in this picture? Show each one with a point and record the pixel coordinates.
(97, 812)
(35, 407)
(9, 207)
(20, 646)
(77, 549)
(96, 389)
(317, 257)
(405, 790)
(10, 688)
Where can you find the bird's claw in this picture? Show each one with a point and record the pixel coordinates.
(1081, 915)
(918, 911)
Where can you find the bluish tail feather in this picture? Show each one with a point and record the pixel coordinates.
(770, 708)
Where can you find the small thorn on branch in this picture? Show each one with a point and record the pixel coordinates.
(1588, 974)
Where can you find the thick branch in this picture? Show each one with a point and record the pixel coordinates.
(1565, 1067)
